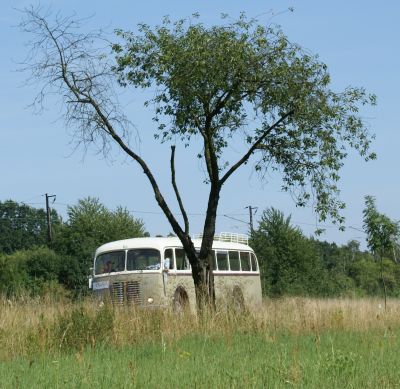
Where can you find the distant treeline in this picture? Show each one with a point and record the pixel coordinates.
(291, 263)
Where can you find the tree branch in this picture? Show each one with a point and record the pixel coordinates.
(159, 197)
(178, 197)
(83, 96)
(253, 147)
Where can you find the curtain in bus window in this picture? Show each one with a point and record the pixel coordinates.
(253, 262)
(143, 259)
(222, 260)
(110, 262)
(234, 261)
(168, 254)
(182, 263)
(245, 260)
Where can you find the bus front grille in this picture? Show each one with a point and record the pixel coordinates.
(126, 293)
(117, 293)
(133, 295)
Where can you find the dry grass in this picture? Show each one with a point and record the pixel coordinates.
(302, 315)
(29, 326)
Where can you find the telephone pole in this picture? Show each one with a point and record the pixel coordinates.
(251, 209)
(49, 237)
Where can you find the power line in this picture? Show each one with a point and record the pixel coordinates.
(226, 215)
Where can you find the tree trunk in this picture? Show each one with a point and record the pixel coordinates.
(203, 276)
(383, 278)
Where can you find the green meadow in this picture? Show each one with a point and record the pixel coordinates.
(300, 343)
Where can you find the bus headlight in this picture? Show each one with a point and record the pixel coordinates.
(150, 300)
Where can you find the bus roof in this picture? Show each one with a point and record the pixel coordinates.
(161, 243)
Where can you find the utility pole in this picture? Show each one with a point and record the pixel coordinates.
(251, 209)
(49, 237)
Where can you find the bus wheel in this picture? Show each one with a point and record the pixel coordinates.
(237, 300)
(180, 302)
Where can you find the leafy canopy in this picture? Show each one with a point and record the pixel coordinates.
(289, 261)
(238, 80)
(382, 232)
(22, 226)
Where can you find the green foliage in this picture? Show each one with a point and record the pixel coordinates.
(28, 271)
(382, 236)
(292, 264)
(22, 226)
(368, 278)
(382, 233)
(90, 224)
(247, 80)
(289, 262)
(36, 269)
(13, 274)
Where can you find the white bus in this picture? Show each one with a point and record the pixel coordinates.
(155, 272)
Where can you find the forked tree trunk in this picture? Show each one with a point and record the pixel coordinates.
(202, 263)
(203, 278)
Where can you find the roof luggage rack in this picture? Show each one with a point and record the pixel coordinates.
(227, 237)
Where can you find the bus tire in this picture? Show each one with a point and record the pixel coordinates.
(180, 303)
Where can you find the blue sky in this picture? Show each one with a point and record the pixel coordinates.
(358, 40)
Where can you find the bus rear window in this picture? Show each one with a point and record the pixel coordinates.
(222, 260)
(143, 259)
(234, 260)
(110, 262)
(245, 260)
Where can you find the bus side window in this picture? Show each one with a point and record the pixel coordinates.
(245, 260)
(234, 260)
(169, 254)
(182, 262)
(214, 259)
(253, 262)
(222, 260)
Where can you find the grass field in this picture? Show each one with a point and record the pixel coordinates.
(288, 343)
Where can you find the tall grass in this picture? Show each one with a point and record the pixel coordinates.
(34, 326)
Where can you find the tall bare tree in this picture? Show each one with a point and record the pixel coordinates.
(235, 81)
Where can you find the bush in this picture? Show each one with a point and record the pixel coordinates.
(28, 271)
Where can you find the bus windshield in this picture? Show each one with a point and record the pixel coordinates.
(110, 262)
(143, 259)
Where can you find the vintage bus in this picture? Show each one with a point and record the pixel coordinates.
(155, 272)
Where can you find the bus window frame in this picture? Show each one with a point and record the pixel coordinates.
(179, 271)
(172, 259)
(257, 270)
(249, 271)
(240, 262)
(159, 270)
(227, 258)
(114, 272)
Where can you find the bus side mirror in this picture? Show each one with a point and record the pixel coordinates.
(90, 279)
(166, 264)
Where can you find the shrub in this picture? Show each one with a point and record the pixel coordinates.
(28, 271)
